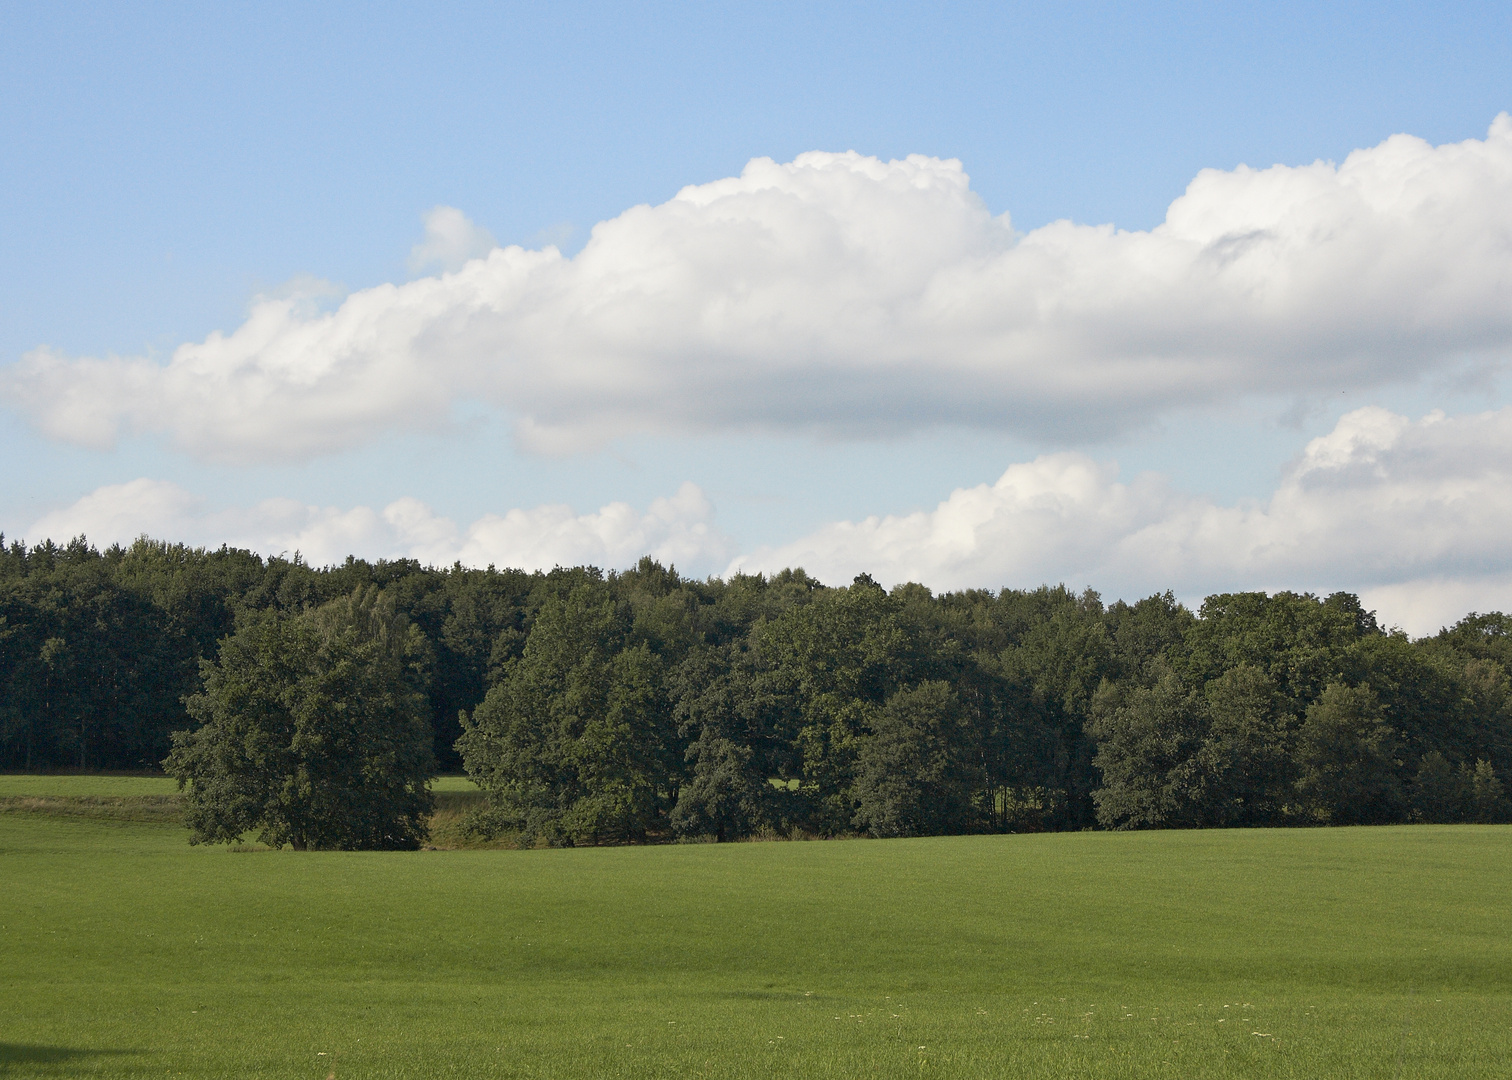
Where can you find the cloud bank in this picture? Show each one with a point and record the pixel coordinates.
(676, 530)
(848, 295)
(1413, 515)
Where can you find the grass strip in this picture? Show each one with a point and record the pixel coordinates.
(144, 808)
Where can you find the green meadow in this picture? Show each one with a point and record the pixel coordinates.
(1371, 952)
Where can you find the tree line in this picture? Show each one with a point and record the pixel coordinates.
(314, 703)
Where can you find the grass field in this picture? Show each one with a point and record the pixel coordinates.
(63, 784)
(69, 786)
(142, 798)
(124, 952)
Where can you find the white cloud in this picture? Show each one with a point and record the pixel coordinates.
(1421, 607)
(452, 240)
(1413, 515)
(845, 294)
(120, 513)
(676, 530)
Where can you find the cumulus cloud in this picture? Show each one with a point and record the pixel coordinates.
(677, 530)
(845, 294)
(1414, 515)
(452, 240)
(118, 513)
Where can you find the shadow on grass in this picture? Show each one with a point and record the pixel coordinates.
(16, 1055)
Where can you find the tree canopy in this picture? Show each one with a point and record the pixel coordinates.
(312, 732)
(611, 707)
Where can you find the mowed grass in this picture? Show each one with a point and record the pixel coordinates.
(66, 785)
(1310, 954)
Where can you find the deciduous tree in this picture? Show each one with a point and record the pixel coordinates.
(312, 732)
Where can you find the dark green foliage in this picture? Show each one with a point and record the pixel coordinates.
(99, 649)
(573, 744)
(1149, 748)
(1246, 757)
(1171, 756)
(311, 732)
(1443, 794)
(1438, 791)
(89, 668)
(917, 773)
(723, 797)
(724, 717)
(1148, 633)
(833, 662)
(1301, 642)
(1348, 756)
(642, 705)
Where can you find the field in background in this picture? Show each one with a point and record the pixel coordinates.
(452, 783)
(126, 797)
(1320, 953)
(125, 784)
(71, 786)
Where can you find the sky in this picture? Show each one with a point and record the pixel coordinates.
(1129, 297)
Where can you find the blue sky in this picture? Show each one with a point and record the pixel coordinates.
(161, 166)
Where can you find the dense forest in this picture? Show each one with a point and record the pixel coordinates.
(640, 705)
